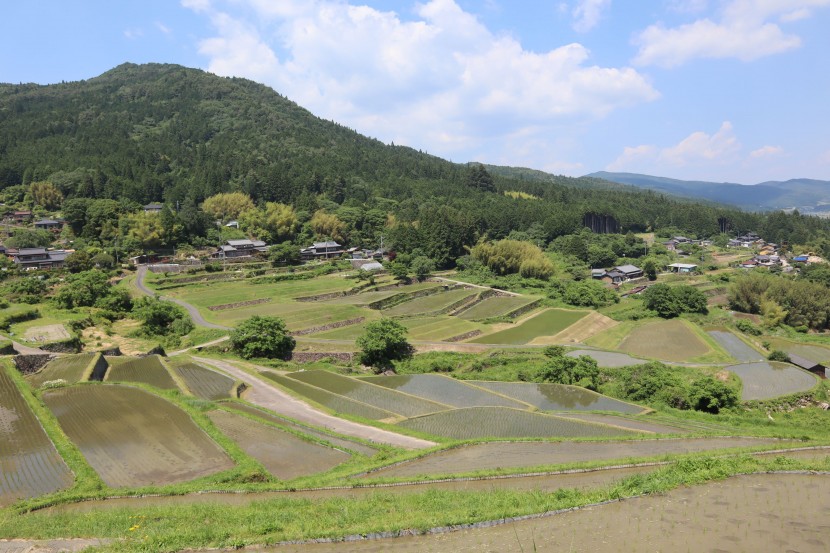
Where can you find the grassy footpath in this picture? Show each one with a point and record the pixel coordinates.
(174, 527)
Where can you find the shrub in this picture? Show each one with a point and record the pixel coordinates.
(580, 371)
(589, 293)
(158, 317)
(711, 395)
(262, 336)
(671, 301)
(747, 327)
(778, 355)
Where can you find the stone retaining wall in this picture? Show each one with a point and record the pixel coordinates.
(312, 356)
(465, 336)
(224, 306)
(29, 364)
(330, 326)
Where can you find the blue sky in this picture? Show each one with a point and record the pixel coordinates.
(720, 90)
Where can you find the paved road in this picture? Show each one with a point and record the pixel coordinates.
(198, 320)
(270, 397)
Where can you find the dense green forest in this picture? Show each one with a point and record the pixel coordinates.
(142, 133)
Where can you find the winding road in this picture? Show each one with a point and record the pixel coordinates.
(198, 320)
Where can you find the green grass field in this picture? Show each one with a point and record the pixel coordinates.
(428, 304)
(496, 306)
(546, 323)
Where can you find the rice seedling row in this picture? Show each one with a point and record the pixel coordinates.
(205, 383)
(636, 425)
(29, 463)
(335, 402)
(765, 380)
(668, 340)
(815, 353)
(147, 370)
(378, 396)
(282, 454)
(336, 441)
(437, 328)
(495, 306)
(558, 397)
(69, 368)
(495, 455)
(134, 438)
(504, 422)
(546, 323)
(735, 346)
(429, 304)
(444, 390)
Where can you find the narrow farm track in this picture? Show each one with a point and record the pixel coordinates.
(198, 320)
(263, 394)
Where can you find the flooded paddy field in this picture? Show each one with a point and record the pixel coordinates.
(769, 512)
(505, 422)
(544, 483)
(506, 455)
(607, 359)
(205, 383)
(736, 347)
(767, 380)
(29, 463)
(670, 340)
(70, 368)
(336, 441)
(134, 438)
(638, 425)
(558, 397)
(282, 454)
(446, 390)
(148, 370)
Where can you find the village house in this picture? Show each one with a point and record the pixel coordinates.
(682, 268)
(21, 216)
(49, 224)
(322, 250)
(630, 271)
(236, 249)
(153, 208)
(29, 259)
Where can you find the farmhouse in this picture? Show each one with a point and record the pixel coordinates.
(630, 271)
(682, 268)
(322, 250)
(153, 208)
(48, 224)
(21, 216)
(235, 249)
(37, 258)
(807, 365)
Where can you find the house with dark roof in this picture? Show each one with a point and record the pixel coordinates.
(244, 248)
(29, 259)
(630, 271)
(153, 208)
(49, 224)
(22, 216)
(322, 250)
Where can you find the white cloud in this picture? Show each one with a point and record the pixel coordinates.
(441, 79)
(163, 28)
(766, 151)
(745, 29)
(699, 153)
(587, 14)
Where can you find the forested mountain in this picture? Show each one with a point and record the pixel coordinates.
(807, 195)
(154, 132)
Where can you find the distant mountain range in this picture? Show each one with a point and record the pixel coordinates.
(806, 195)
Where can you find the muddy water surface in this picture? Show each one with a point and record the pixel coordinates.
(757, 513)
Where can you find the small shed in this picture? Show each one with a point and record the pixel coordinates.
(683, 268)
(808, 365)
(371, 267)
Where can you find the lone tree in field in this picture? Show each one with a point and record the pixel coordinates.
(383, 341)
(262, 337)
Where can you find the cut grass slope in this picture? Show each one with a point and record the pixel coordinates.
(547, 323)
(444, 390)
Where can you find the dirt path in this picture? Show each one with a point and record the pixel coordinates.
(270, 397)
(198, 320)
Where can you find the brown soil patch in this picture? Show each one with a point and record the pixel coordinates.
(47, 333)
(591, 324)
(95, 338)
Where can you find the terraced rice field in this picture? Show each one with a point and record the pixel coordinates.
(205, 383)
(333, 402)
(429, 304)
(668, 340)
(558, 397)
(495, 455)
(148, 370)
(547, 323)
(586, 327)
(133, 438)
(365, 298)
(813, 352)
(736, 347)
(282, 454)
(438, 328)
(336, 441)
(505, 422)
(445, 390)
(762, 512)
(297, 316)
(69, 368)
(767, 380)
(607, 359)
(638, 425)
(352, 388)
(495, 306)
(29, 464)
